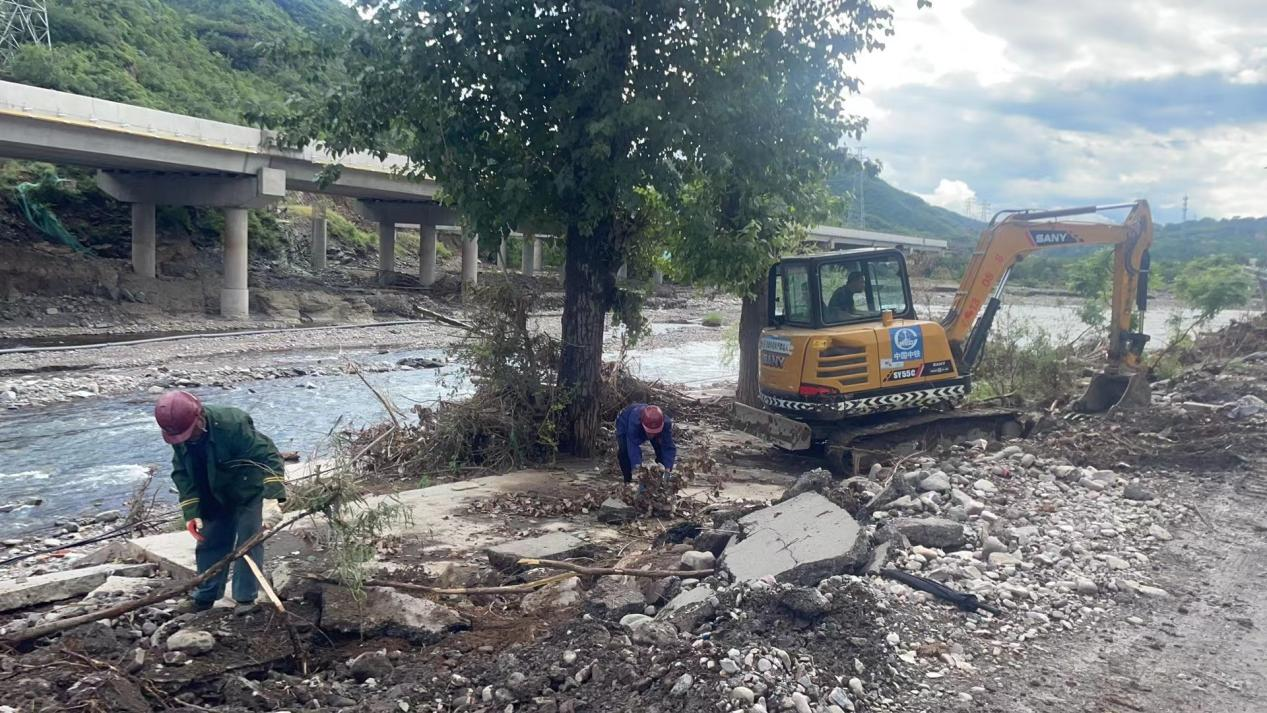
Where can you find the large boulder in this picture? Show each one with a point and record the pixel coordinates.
(386, 611)
(931, 532)
(802, 541)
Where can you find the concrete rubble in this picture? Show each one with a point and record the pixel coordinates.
(802, 540)
(388, 612)
(554, 546)
(20, 593)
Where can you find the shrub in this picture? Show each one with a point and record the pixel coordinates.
(712, 319)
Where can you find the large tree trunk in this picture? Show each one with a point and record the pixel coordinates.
(588, 287)
(752, 318)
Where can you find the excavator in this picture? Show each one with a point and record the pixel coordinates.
(846, 365)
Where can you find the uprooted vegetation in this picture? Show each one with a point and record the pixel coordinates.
(512, 419)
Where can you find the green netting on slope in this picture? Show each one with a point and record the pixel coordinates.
(39, 215)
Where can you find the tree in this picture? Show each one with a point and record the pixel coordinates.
(570, 112)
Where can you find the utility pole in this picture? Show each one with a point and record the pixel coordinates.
(22, 22)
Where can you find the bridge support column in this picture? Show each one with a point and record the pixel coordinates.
(144, 259)
(538, 254)
(235, 298)
(427, 255)
(470, 260)
(623, 272)
(501, 254)
(657, 277)
(386, 251)
(528, 256)
(319, 238)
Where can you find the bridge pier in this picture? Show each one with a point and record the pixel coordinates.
(233, 193)
(235, 298)
(538, 254)
(657, 277)
(528, 256)
(386, 251)
(427, 255)
(144, 244)
(470, 260)
(320, 233)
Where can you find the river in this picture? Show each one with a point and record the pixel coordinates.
(90, 455)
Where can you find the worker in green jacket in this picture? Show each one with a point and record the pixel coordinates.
(230, 478)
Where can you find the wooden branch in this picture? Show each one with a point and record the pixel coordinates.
(411, 587)
(291, 632)
(620, 571)
(54, 627)
(446, 320)
(387, 404)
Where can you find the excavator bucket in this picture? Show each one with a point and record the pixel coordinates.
(1110, 391)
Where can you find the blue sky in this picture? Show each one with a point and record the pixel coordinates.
(1023, 103)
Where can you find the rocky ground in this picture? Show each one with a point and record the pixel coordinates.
(1111, 563)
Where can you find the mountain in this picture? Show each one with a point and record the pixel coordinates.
(873, 204)
(1239, 238)
(206, 58)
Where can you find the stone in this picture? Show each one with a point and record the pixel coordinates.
(17, 593)
(1116, 562)
(801, 541)
(554, 546)
(801, 702)
(991, 545)
(715, 539)
(371, 664)
(695, 560)
(682, 685)
(175, 658)
(1135, 491)
(129, 587)
(838, 697)
(1086, 586)
(615, 512)
(95, 639)
(420, 363)
(984, 486)
(934, 532)
(937, 482)
(107, 516)
(743, 695)
(613, 598)
(689, 609)
(1005, 559)
(1159, 532)
(645, 630)
(805, 602)
(814, 481)
(387, 612)
(1154, 592)
(971, 505)
(897, 487)
(1246, 406)
(191, 641)
(552, 597)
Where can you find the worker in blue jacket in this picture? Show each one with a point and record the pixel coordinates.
(638, 423)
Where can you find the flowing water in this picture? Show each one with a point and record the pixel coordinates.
(88, 456)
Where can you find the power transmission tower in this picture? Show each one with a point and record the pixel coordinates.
(21, 22)
(858, 206)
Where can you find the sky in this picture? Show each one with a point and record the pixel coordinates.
(1044, 103)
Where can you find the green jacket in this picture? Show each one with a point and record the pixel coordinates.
(242, 464)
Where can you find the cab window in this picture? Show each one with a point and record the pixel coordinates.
(859, 290)
(796, 294)
(888, 285)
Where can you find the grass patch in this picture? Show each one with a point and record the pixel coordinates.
(712, 319)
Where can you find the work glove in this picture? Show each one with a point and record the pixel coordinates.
(194, 526)
(272, 514)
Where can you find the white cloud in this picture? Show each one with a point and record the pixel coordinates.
(951, 194)
(1034, 103)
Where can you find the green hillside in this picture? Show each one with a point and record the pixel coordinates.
(890, 210)
(1239, 238)
(207, 58)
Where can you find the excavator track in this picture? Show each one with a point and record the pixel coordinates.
(850, 449)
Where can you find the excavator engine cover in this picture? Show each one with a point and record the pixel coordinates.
(1110, 391)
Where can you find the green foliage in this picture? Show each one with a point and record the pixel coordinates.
(1091, 277)
(1023, 360)
(195, 57)
(712, 319)
(1212, 284)
(1238, 238)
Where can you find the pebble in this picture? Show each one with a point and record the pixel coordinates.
(801, 702)
(893, 639)
(743, 695)
(682, 685)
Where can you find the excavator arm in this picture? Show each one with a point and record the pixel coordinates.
(1006, 242)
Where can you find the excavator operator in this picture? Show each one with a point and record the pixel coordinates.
(841, 303)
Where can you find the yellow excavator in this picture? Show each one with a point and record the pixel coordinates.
(846, 366)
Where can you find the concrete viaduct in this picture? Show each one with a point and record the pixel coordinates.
(148, 158)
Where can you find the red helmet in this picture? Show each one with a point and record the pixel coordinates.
(177, 413)
(652, 420)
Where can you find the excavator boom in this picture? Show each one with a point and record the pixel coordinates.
(1019, 233)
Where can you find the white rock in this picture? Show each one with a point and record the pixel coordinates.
(893, 639)
(1086, 586)
(1159, 532)
(984, 486)
(1155, 592)
(191, 641)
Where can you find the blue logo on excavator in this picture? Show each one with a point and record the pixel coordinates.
(907, 344)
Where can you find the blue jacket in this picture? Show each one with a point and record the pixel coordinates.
(629, 433)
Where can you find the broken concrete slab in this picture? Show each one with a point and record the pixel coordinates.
(612, 598)
(802, 541)
(715, 539)
(552, 597)
(387, 612)
(616, 512)
(554, 546)
(931, 532)
(120, 586)
(19, 593)
(690, 608)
